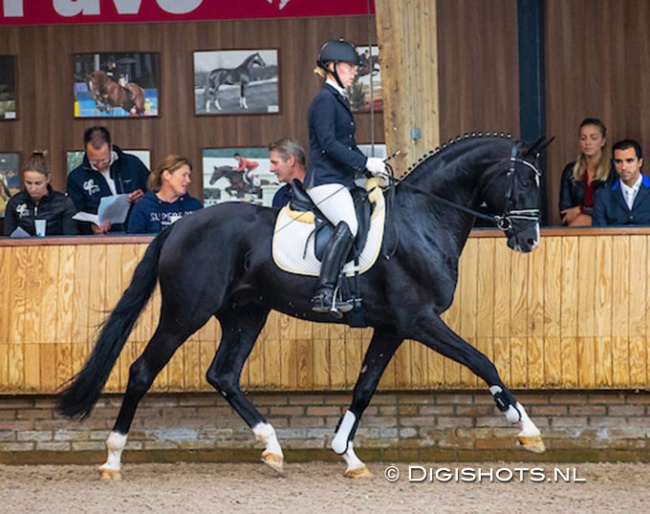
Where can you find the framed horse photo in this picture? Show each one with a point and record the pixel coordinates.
(116, 85)
(236, 82)
(9, 178)
(365, 91)
(238, 174)
(7, 87)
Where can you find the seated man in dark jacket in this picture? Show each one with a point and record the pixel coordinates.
(627, 202)
(105, 171)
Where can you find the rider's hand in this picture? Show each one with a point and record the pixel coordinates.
(376, 166)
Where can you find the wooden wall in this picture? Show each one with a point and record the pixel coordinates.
(597, 65)
(571, 315)
(45, 85)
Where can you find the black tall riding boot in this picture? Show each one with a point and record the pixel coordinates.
(337, 250)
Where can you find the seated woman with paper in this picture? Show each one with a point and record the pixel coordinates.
(167, 199)
(38, 206)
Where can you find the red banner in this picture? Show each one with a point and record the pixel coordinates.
(48, 12)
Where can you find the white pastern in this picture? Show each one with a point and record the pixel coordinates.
(528, 428)
(352, 460)
(265, 433)
(340, 441)
(115, 444)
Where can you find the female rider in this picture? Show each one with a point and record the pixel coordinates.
(334, 159)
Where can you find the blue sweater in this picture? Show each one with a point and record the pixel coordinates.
(151, 215)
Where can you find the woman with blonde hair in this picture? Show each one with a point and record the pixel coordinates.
(167, 199)
(334, 160)
(39, 201)
(590, 172)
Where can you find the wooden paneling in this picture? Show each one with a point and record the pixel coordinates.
(573, 314)
(44, 57)
(597, 55)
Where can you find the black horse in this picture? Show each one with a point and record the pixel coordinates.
(240, 75)
(218, 262)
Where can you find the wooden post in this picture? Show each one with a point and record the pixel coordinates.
(408, 46)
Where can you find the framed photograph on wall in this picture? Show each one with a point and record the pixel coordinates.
(9, 178)
(236, 82)
(75, 158)
(365, 91)
(238, 174)
(116, 85)
(7, 87)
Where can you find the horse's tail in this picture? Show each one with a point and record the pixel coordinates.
(82, 391)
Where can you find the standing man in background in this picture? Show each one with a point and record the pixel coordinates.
(288, 162)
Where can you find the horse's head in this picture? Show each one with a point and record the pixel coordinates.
(257, 59)
(514, 191)
(220, 171)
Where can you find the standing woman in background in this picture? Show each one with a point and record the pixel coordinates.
(334, 160)
(39, 201)
(582, 178)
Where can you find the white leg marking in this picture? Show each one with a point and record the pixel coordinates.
(207, 105)
(356, 468)
(265, 433)
(528, 428)
(340, 441)
(115, 444)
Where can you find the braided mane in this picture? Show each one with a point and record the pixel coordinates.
(439, 149)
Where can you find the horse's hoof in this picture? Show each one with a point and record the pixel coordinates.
(109, 474)
(362, 472)
(532, 443)
(274, 461)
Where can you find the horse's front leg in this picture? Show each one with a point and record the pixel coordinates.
(434, 333)
(242, 97)
(383, 345)
(240, 328)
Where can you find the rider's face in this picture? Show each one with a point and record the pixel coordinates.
(100, 159)
(347, 73)
(36, 185)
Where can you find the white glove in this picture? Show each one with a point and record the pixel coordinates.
(376, 166)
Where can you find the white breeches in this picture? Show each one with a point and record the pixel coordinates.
(336, 204)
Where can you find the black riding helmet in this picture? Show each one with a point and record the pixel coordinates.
(337, 50)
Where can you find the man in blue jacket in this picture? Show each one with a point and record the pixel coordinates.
(627, 202)
(105, 171)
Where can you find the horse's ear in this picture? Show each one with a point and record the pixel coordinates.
(539, 146)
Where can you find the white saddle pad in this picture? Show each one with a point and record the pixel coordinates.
(292, 252)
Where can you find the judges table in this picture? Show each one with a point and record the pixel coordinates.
(571, 315)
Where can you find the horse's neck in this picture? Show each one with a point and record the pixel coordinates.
(248, 63)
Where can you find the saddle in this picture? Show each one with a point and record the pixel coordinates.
(302, 202)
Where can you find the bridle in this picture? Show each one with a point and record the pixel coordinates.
(504, 221)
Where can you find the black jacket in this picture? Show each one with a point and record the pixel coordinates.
(56, 208)
(572, 193)
(334, 157)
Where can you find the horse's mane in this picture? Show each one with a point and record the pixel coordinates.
(449, 144)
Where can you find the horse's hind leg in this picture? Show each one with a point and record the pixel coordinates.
(383, 345)
(240, 327)
(434, 333)
(169, 336)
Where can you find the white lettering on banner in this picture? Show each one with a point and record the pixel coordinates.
(179, 6)
(13, 8)
(282, 3)
(73, 7)
(127, 6)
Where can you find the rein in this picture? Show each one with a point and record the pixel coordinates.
(502, 222)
